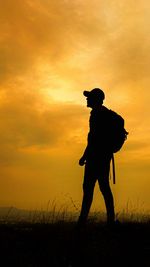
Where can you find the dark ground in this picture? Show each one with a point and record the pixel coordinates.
(59, 245)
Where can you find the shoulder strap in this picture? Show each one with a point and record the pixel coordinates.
(113, 168)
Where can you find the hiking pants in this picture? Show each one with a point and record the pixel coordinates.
(97, 170)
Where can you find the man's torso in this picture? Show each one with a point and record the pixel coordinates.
(98, 137)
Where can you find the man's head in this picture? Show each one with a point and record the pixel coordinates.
(94, 97)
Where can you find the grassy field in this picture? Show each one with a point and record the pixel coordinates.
(57, 243)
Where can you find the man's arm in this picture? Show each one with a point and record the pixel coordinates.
(82, 160)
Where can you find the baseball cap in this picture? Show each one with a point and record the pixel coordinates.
(96, 92)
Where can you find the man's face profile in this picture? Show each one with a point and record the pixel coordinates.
(89, 102)
(92, 102)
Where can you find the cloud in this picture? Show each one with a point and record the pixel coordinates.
(74, 39)
(25, 125)
(31, 30)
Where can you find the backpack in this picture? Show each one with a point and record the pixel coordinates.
(117, 137)
(118, 134)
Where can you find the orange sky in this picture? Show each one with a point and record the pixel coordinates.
(50, 52)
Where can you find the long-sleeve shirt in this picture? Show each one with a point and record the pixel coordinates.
(98, 142)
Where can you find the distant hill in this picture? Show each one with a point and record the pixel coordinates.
(13, 214)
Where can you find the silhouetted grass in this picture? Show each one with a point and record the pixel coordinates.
(51, 239)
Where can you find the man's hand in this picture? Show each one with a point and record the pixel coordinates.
(82, 161)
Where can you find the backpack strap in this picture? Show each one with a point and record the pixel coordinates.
(113, 169)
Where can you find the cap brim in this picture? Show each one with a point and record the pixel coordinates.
(86, 93)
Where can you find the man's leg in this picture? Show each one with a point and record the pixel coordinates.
(106, 192)
(109, 202)
(88, 189)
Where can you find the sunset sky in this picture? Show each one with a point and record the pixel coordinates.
(50, 51)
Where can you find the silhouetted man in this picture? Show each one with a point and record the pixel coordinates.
(97, 156)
